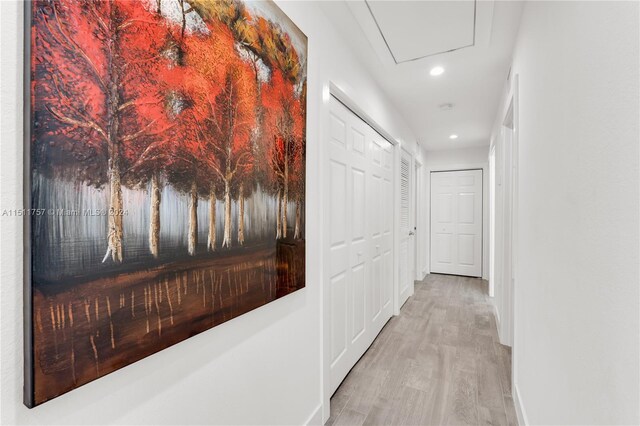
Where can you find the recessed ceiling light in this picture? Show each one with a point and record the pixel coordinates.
(454, 136)
(435, 71)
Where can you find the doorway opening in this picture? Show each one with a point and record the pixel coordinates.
(508, 267)
(503, 161)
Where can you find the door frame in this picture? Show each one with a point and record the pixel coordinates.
(417, 222)
(333, 90)
(510, 112)
(512, 106)
(505, 330)
(492, 219)
(485, 208)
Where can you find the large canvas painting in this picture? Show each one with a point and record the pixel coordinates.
(166, 177)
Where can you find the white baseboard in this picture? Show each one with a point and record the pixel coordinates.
(315, 419)
(520, 411)
(496, 314)
(325, 411)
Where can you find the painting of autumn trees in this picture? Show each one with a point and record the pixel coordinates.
(167, 176)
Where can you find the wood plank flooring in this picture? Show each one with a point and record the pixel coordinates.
(438, 363)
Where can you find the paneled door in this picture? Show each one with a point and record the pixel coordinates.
(456, 222)
(359, 249)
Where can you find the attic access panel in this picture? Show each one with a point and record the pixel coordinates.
(414, 30)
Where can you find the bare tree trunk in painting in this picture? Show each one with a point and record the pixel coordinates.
(279, 215)
(226, 240)
(115, 229)
(285, 200)
(241, 215)
(154, 222)
(296, 234)
(193, 219)
(211, 242)
(184, 18)
(114, 236)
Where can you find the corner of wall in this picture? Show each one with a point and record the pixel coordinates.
(424, 273)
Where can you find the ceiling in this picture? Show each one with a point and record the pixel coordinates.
(400, 41)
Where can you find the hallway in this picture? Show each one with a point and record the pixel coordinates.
(345, 212)
(438, 362)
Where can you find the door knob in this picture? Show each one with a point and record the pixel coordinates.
(411, 233)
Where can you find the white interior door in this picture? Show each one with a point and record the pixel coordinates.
(456, 222)
(359, 174)
(407, 234)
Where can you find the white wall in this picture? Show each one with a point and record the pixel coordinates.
(577, 327)
(457, 159)
(263, 367)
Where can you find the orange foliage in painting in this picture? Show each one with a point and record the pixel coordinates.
(220, 116)
(125, 95)
(283, 135)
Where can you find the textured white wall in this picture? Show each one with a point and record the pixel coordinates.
(577, 274)
(261, 368)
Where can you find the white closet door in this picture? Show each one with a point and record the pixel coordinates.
(456, 222)
(359, 250)
(406, 230)
(381, 231)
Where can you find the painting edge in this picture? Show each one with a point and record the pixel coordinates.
(29, 397)
(28, 385)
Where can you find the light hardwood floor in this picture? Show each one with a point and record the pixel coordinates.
(438, 362)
